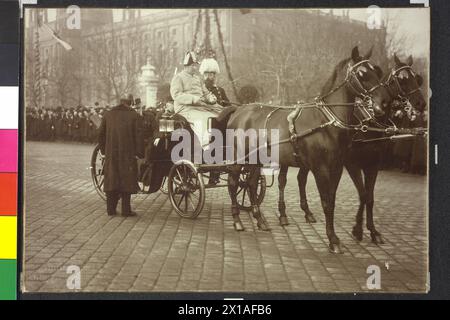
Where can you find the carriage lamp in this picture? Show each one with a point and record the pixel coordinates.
(166, 125)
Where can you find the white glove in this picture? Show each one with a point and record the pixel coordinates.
(210, 98)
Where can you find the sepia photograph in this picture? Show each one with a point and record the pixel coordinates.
(225, 150)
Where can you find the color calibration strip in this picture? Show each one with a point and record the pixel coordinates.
(9, 120)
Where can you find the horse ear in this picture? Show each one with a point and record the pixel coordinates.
(397, 60)
(410, 60)
(355, 54)
(419, 80)
(369, 54)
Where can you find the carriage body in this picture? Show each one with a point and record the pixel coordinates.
(183, 181)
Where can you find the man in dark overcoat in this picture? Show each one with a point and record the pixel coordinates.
(118, 136)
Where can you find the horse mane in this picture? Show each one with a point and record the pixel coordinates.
(332, 80)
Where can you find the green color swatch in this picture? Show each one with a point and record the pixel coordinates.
(8, 276)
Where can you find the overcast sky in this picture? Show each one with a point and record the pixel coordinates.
(413, 23)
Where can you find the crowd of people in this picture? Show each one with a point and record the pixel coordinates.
(78, 124)
(63, 124)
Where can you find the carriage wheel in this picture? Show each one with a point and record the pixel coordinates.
(243, 191)
(98, 177)
(186, 190)
(164, 188)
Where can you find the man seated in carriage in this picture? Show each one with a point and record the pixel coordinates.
(209, 68)
(192, 100)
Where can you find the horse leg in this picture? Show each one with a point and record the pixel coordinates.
(253, 178)
(356, 176)
(282, 180)
(370, 180)
(302, 179)
(233, 181)
(327, 183)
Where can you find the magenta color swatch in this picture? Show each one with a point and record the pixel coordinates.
(8, 150)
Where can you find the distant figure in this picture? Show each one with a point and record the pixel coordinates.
(248, 94)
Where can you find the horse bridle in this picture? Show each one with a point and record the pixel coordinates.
(361, 91)
(393, 76)
(401, 99)
(365, 104)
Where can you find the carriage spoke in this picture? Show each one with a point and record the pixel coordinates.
(185, 173)
(181, 199)
(186, 203)
(195, 196)
(243, 196)
(177, 182)
(192, 204)
(179, 175)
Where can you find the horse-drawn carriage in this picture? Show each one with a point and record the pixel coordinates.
(183, 181)
(356, 101)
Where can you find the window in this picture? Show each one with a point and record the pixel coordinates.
(174, 31)
(175, 52)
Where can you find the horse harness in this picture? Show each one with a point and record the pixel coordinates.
(402, 98)
(364, 104)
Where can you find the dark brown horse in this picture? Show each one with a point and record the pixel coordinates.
(363, 159)
(318, 136)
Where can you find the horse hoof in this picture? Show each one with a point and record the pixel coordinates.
(284, 221)
(262, 225)
(377, 239)
(310, 219)
(335, 248)
(357, 235)
(238, 226)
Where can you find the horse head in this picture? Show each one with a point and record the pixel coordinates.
(404, 85)
(357, 78)
(364, 80)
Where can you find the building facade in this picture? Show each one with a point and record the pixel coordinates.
(285, 54)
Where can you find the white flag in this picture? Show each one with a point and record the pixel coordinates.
(62, 42)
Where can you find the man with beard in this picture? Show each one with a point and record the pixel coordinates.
(209, 68)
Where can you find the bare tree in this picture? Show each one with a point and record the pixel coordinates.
(289, 59)
(64, 78)
(396, 41)
(113, 60)
(31, 80)
(164, 56)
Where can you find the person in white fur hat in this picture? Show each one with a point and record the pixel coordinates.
(192, 100)
(209, 68)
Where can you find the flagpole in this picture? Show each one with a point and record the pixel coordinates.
(37, 62)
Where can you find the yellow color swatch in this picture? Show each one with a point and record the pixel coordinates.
(8, 237)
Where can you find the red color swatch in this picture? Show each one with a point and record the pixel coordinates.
(8, 194)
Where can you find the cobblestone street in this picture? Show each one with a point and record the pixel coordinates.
(66, 224)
